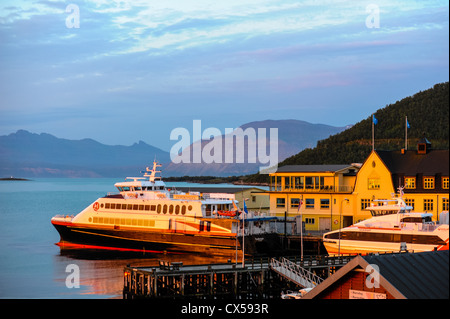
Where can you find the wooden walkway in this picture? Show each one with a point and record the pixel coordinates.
(256, 279)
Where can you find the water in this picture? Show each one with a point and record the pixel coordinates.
(32, 266)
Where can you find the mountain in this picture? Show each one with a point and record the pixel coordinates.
(293, 136)
(427, 113)
(28, 154)
(44, 155)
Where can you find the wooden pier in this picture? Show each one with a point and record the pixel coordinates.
(253, 280)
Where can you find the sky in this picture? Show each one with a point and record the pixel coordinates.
(126, 71)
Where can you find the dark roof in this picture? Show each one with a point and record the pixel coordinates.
(416, 275)
(411, 163)
(312, 168)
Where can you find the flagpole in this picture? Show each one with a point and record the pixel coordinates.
(406, 133)
(373, 134)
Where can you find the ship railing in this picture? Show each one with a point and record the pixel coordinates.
(66, 217)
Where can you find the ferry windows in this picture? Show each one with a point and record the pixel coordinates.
(373, 183)
(428, 182)
(177, 209)
(135, 207)
(281, 202)
(165, 209)
(410, 182)
(171, 209)
(183, 210)
(324, 203)
(153, 208)
(309, 203)
(159, 209)
(107, 205)
(189, 207)
(126, 189)
(365, 202)
(445, 182)
(147, 207)
(129, 207)
(427, 204)
(141, 207)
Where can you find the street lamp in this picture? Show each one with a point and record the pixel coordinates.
(340, 226)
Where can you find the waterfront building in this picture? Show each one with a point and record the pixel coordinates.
(391, 276)
(336, 196)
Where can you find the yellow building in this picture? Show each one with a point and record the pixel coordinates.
(335, 196)
(321, 190)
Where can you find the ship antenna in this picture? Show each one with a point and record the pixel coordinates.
(400, 190)
(152, 176)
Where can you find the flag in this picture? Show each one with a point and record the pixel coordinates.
(235, 207)
(407, 124)
(374, 119)
(299, 205)
(245, 208)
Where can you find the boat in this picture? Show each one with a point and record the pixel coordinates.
(146, 216)
(295, 294)
(392, 228)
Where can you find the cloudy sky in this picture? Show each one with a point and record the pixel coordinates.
(135, 70)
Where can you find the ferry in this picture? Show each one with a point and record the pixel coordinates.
(392, 228)
(146, 216)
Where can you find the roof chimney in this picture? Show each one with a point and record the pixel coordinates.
(423, 145)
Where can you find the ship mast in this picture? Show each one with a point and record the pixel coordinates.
(152, 176)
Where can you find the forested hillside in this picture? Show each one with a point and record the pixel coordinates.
(428, 115)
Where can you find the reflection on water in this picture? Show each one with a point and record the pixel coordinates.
(101, 272)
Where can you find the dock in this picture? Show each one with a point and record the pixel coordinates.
(256, 278)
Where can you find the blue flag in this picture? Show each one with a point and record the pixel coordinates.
(245, 208)
(375, 121)
(407, 124)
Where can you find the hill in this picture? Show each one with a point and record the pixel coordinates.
(29, 154)
(44, 155)
(428, 115)
(293, 136)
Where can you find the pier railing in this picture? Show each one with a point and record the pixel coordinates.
(295, 273)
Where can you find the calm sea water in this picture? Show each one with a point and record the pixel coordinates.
(32, 266)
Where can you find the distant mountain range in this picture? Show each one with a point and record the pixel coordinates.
(26, 154)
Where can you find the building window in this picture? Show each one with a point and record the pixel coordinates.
(310, 221)
(295, 202)
(445, 182)
(365, 202)
(374, 183)
(410, 182)
(445, 204)
(427, 204)
(281, 202)
(410, 202)
(287, 182)
(324, 203)
(309, 182)
(299, 182)
(428, 182)
(309, 203)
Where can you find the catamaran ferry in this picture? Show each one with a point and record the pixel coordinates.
(147, 216)
(393, 227)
